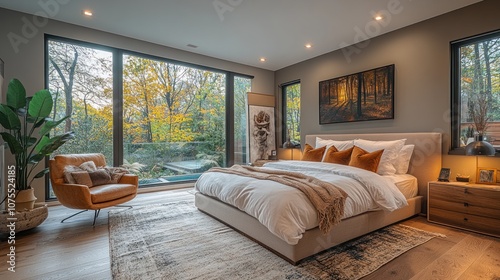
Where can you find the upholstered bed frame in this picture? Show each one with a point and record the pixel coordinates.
(424, 164)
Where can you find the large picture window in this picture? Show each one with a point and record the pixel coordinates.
(475, 90)
(165, 120)
(173, 119)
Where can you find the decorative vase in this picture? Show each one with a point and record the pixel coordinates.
(25, 200)
(24, 220)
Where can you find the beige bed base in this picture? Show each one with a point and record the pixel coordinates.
(313, 241)
(425, 164)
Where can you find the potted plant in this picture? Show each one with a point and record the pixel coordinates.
(27, 125)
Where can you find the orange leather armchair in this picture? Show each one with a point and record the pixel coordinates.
(89, 198)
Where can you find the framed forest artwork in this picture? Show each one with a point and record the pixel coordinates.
(362, 96)
(262, 140)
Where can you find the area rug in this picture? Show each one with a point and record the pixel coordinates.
(176, 241)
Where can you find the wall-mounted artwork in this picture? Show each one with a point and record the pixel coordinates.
(363, 96)
(262, 133)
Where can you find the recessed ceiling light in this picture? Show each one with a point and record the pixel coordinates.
(87, 13)
(262, 59)
(378, 18)
(308, 46)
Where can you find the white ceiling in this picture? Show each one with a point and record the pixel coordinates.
(243, 31)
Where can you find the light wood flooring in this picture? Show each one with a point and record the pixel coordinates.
(76, 250)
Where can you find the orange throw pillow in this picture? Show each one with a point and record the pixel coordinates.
(311, 154)
(365, 160)
(333, 155)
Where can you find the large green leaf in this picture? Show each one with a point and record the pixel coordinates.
(42, 173)
(40, 122)
(8, 118)
(14, 145)
(49, 125)
(40, 105)
(34, 159)
(48, 145)
(44, 141)
(16, 94)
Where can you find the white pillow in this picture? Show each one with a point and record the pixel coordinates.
(340, 145)
(390, 155)
(403, 160)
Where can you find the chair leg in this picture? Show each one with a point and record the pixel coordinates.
(96, 214)
(74, 215)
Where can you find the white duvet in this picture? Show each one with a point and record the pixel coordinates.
(286, 211)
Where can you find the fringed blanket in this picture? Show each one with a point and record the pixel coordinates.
(327, 199)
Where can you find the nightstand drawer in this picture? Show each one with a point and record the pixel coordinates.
(465, 207)
(447, 193)
(465, 221)
(483, 198)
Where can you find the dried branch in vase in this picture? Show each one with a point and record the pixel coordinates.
(479, 112)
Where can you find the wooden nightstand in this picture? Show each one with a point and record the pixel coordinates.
(468, 206)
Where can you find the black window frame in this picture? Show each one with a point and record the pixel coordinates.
(284, 125)
(455, 148)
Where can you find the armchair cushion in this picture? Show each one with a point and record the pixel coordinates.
(88, 166)
(93, 178)
(111, 192)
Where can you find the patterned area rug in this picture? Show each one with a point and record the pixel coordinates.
(176, 241)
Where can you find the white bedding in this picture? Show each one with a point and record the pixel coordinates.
(286, 211)
(407, 184)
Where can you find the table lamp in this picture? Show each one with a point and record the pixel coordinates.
(479, 148)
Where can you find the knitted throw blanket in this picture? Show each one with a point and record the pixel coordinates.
(327, 199)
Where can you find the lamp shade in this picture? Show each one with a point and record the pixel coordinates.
(480, 148)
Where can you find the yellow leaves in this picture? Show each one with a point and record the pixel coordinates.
(467, 80)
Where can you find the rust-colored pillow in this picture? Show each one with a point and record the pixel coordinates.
(365, 160)
(311, 154)
(333, 155)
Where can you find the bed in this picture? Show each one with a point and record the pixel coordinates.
(423, 167)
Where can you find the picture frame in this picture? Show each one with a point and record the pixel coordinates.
(444, 175)
(363, 96)
(486, 175)
(262, 132)
(273, 155)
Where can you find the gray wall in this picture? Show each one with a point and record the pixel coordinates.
(27, 64)
(421, 54)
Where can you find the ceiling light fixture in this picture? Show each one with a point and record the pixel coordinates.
(378, 18)
(262, 59)
(87, 13)
(308, 46)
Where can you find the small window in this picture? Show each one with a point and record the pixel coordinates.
(475, 90)
(291, 112)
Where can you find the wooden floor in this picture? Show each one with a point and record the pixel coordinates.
(76, 250)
